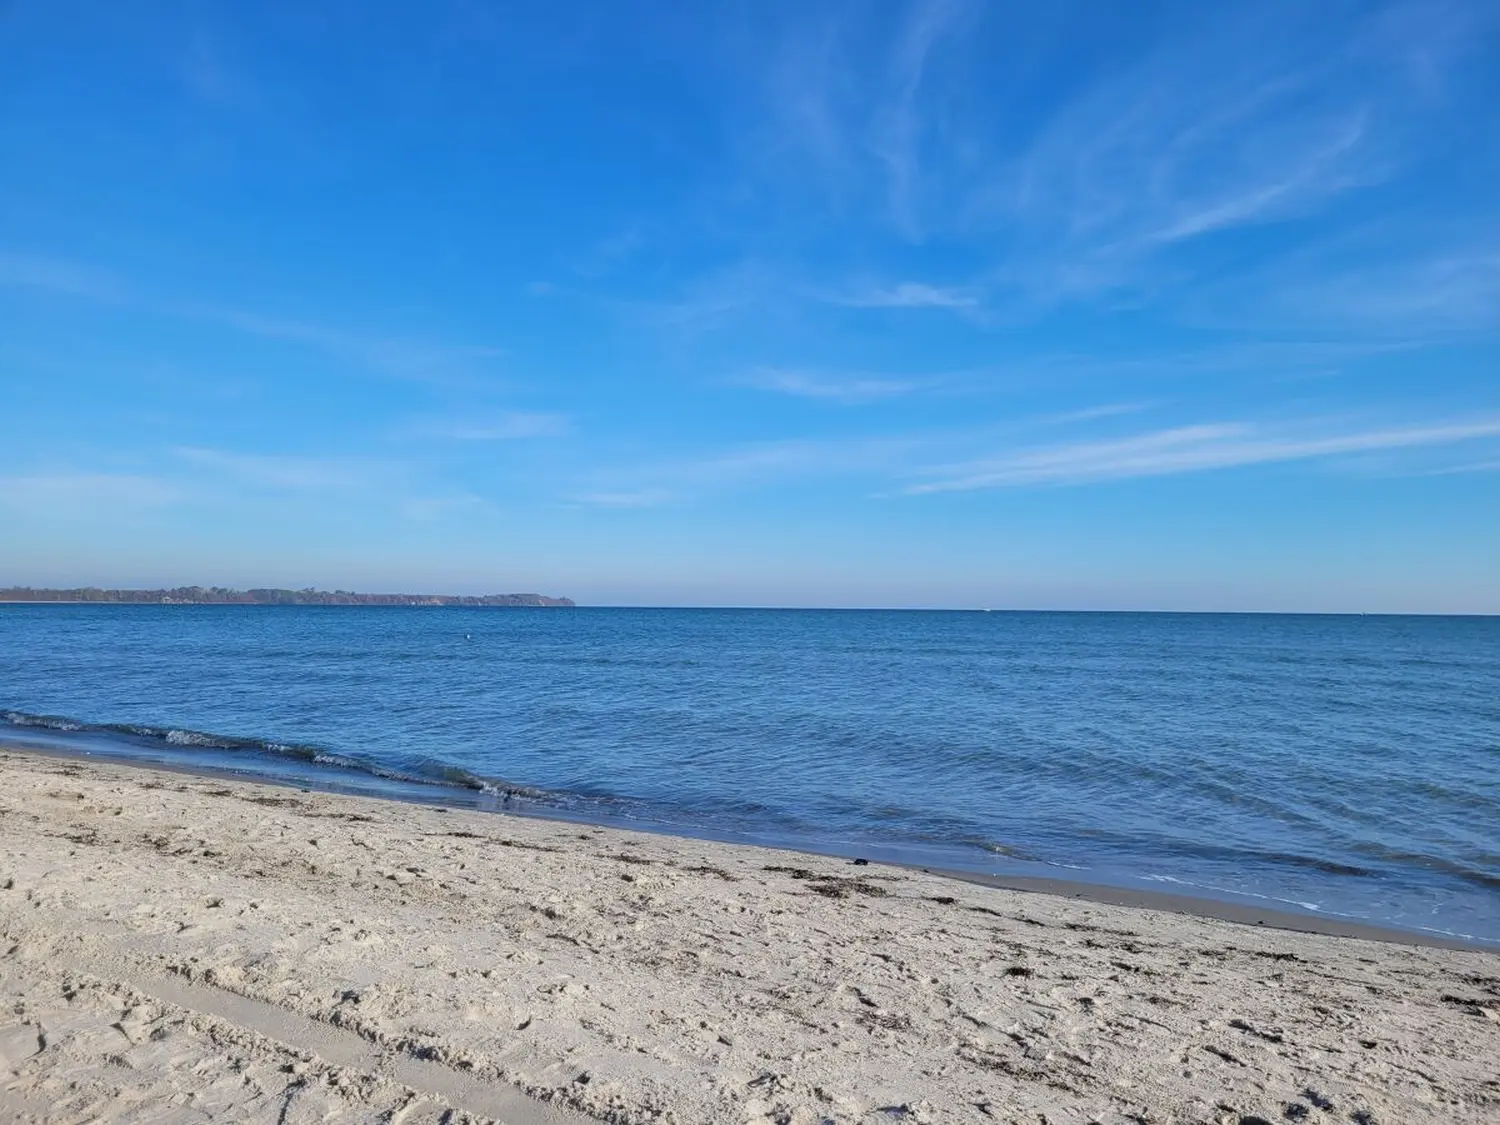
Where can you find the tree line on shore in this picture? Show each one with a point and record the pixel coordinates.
(221, 595)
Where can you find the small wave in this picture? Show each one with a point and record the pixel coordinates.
(1451, 867)
(1311, 906)
(426, 771)
(467, 779)
(47, 722)
(1316, 863)
(982, 843)
(293, 750)
(189, 738)
(1010, 851)
(177, 736)
(324, 759)
(181, 737)
(1456, 934)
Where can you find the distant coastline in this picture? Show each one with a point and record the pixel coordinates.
(220, 595)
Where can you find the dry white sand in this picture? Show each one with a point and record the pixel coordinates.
(181, 949)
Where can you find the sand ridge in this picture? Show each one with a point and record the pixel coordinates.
(595, 973)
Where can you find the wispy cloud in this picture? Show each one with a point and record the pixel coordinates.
(55, 275)
(430, 508)
(1314, 171)
(768, 292)
(1489, 466)
(1265, 115)
(208, 74)
(613, 252)
(712, 300)
(907, 295)
(1186, 449)
(899, 123)
(846, 119)
(419, 360)
(905, 458)
(1267, 361)
(396, 486)
(507, 425)
(806, 83)
(1102, 190)
(409, 490)
(66, 494)
(848, 390)
(292, 473)
(640, 498)
(1454, 288)
(1094, 413)
(1206, 138)
(750, 465)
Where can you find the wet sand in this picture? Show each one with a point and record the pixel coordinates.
(186, 948)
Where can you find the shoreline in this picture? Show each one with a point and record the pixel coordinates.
(1237, 913)
(250, 951)
(1218, 910)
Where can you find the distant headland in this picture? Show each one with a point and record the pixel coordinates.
(219, 595)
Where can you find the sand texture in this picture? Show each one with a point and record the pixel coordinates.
(185, 949)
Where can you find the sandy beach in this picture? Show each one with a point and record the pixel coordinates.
(183, 949)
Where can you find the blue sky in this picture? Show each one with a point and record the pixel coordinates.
(931, 304)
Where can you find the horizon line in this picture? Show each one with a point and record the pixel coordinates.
(743, 608)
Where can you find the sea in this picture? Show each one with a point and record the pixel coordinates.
(1342, 766)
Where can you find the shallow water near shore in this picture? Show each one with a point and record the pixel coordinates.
(1347, 766)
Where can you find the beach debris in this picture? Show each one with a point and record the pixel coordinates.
(709, 869)
(830, 886)
(1472, 1005)
(1223, 1054)
(920, 1111)
(1268, 1036)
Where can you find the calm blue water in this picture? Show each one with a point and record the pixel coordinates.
(1349, 765)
